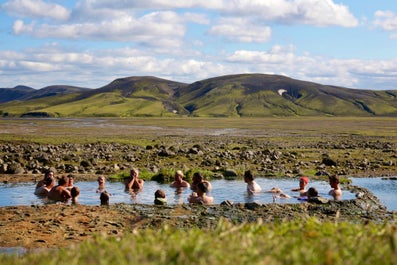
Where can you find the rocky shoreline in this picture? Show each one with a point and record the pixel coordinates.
(355, 158)
(61, 225)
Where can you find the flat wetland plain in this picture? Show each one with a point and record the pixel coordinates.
(282, 130)
(364, 140)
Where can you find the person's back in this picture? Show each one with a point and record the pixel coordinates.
(159, 198)
(75, 192)
(59, 192)
(104, 197)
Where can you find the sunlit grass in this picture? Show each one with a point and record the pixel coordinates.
(296, 242)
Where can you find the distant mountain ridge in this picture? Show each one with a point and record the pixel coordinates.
(241, 95)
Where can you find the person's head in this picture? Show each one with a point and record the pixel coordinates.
(49, 174)
(75, 192)
(248, 176)
(303, 181)
(333, 181)
(49, 181)
(70, 180)
(101, 180)
(312, 192)
(202, 188)
(197, 177)
(63, 181)
(104, 197)
(159, 194)
(134, 173)
(179, 175)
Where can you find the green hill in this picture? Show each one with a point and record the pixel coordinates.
(244, 95)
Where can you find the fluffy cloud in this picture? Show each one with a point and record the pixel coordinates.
(242, 30)
(386, 20)
(157, 28)
(313, 12)
(95, 68)
(36, 9)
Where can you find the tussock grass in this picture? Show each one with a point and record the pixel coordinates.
(299, 242)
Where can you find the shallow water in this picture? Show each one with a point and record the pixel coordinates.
(384, 189)
(233, 190)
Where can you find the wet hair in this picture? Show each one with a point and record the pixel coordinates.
(198, 176)
(203, 187)
(312, 192)
(47, 174)
(334, 178)
(62, 180)
(70, 176)
(104, 197)
(75, 191)
(249, 175)
(48, 180)
(159, 194)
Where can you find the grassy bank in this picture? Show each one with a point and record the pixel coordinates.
(308, 242)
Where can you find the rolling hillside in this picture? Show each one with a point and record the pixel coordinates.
(244, 95)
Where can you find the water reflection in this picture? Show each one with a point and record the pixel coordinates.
(385, 189)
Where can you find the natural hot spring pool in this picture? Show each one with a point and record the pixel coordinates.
(385, 189)
(233, 190)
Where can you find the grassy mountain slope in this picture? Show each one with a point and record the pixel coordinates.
(272, 95)
(244, 95)
(9, 94)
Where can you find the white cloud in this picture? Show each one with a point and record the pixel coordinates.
(313, 12)
(154, 29)
(36, 9)
(386, 20)
(241, 30)
(95, 68)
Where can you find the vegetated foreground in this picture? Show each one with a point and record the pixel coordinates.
(272, 147)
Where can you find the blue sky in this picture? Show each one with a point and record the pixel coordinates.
(90, 43)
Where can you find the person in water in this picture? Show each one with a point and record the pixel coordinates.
(198, 178)
(75, 193)
(303, 181)
(60, 192)
(134, 183)
(252, 186)
(178, 180)
(336, 192)
(159, 197)
(101, 184)
(48, 174)
(201, 196)
(48, 184)
(104, 197)
(70, 182)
